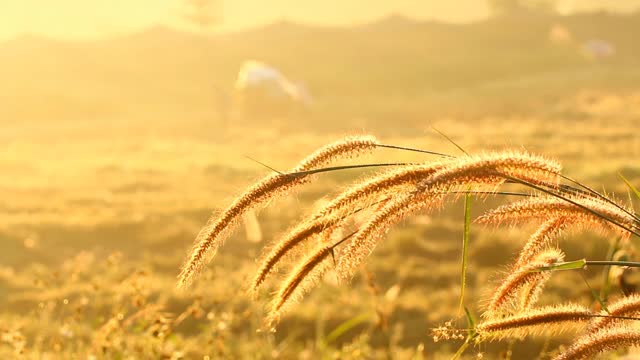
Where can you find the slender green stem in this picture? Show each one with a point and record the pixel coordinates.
(595, 295)
(465, 247)
(606, 282)
(583, 264)
(612, 263)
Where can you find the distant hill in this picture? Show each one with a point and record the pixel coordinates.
(362, 71)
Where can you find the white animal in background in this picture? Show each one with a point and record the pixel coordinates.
(598, 49)
(263, 89)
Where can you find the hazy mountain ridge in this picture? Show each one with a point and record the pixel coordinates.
(164, 72)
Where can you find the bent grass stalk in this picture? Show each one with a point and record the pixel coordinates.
(301, 280)
(487, 170)
(493, 169)
(291, 240)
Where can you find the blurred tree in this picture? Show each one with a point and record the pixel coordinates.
(204, 14)
(522, 7)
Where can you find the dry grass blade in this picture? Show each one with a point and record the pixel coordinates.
(606, 339)
(213, 235)
(553, 319)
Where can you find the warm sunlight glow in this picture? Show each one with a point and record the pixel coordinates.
(319, 179)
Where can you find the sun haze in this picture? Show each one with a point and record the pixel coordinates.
(78, 19)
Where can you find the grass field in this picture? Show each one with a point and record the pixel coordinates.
(111, 166)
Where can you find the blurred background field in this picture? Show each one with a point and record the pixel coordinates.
(115, 151)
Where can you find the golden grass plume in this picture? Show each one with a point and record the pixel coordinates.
(524, 277)
(606, 339)
(593, 213)
(390, 180)
(365, 240)
(540, 239)
(493, 169)
(301, 279)
(286, 245)
(550, 319)
(219, 226)
(626, 306)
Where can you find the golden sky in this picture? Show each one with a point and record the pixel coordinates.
(89, 19)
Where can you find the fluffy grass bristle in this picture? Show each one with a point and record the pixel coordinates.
(405, 176)
(607, 339)
(220, 225)
(366, 238)
(592, 212)
(302, 278)
(534, 321)
(523, 278)
(291, 240)
(627, 306)
(492, 169)
(347, 147)
(540, 239)
(213, 235)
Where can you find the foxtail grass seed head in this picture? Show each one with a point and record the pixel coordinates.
(541, 239)
(292, 240)
(302, 279)
(383, 183)
(531, 292)
(542, 208)
(383, 200)
(213, 234)
(365, 240)
(220, 226)
(348, 147)
(492, 169)
(551, 319)
(521, 277)
(606, 339)
(627, 306)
